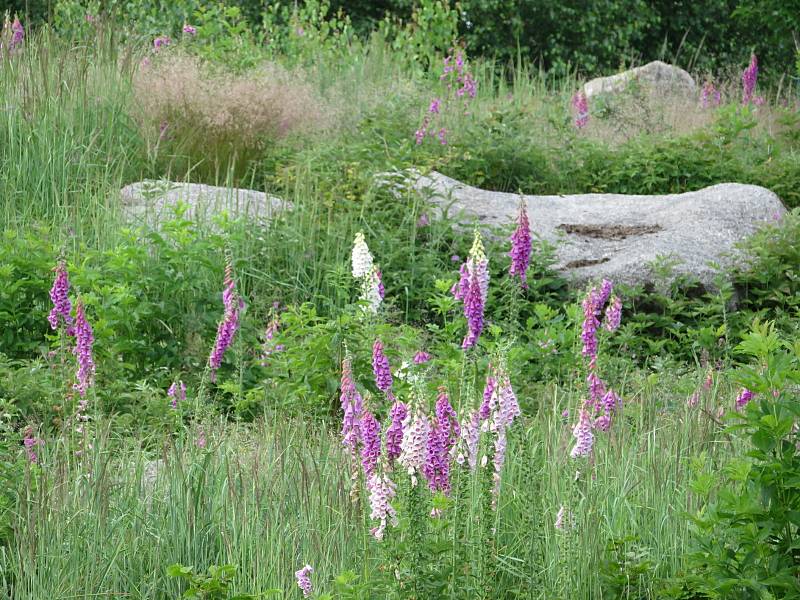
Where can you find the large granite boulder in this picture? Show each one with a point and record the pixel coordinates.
(616, 236)
(153, 202)
(656, 77)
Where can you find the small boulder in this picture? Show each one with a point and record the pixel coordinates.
(656, 77)
(616, 236)
(153, 202)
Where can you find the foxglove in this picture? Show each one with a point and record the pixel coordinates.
(361, 258)
(584, 439)
(749, 78)
(382, 491)
(414, 449)
(394, 434)
(84, 340)
(370, 444)
(580, 106)
(352, 408)
(303, 577)
(380, 367)
(521, 247)
(60, 313)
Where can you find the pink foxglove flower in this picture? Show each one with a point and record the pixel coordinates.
(394, 434)
(414, 449)
(743, 398)
(580, 107)
(161, 41)
(487, 405)
(613, 314)
(303, 577)
(709, 95)
(228, 325)
(584, 439)
(521, 247)
(380, 368)
(189, 29)
(84, 340)
(17, 35)
(177, 392)
(370, 444)
(473, 310)
(382, 491)
(421, 358)
(29, 442)
(442, 438)
(470, 439)
(60, 313)
(352, 409)
(749, 79)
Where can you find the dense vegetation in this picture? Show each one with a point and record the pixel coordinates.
(122, 483)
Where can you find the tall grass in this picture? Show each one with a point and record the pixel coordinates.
(274, 496)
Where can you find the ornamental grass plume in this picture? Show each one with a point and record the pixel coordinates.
(60, 314)
(84, 340)
(303, 577)
(749, 79)
(382, 491)
(352, 408)
(580, 106)
(230, 321)
(381, 370)
(521, 247)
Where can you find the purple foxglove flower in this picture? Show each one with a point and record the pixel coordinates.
(441, 135)
(370, 443)
(580, 105)
(269, 347)
(394, 435)
(473, 309)
(177, 392)
(352, 408)
(749, 78)
(487, 406)
(759, 100)
(380, 367)
(591, 312)
(17, 35)
(709, 95)
(470, 434)
(521, 247)
(507, 405)
(189, 30)
(602, 423)
(461, 288)
(421, 357)
(443, 435)
(382, 491)
(304, 580)
(62, 307)
(597, 388)
(743, 398)
(584, 439)
(414, 449)
(29, 442)
(613, 313)
(435, 106)
(228, 325)
(84, 340)
(161, 41)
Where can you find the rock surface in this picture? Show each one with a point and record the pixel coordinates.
(153, 202)
(657, 77)
(615, 235)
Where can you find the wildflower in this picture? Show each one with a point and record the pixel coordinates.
(419, 134)
(176, 391)
(84, 339)
(160, 42)
(361, 257)
(584, 439)
(505, 410)
(441, 135)
(709, 95)
(743, 398)
(352, 407)
(380, 367)
(455, 258)
(414, 448)
(521, 247)
(421, 357)
(473, 309)
(759, 100)
(435, 106)
(394, 434)
(372, 291)
(62, 307)
(581, 107)
(370, 443)
(613, 314)
(565, 413)
(269, 347)
(423, 220)
(304, 580)
(381, 492)
(560, 518)
(29, 442)
(473, 289)
(749, 78)
(189, 29)
(470, 434)
(468, 86)
(603, 422)
(441, 440)
(228, 325)
(507, 406)
(17, 35)
(487, 405)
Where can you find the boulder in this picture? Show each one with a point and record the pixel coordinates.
(153, 202)
(656, 77)
(616, 236)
